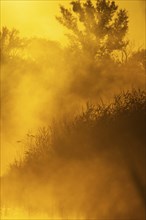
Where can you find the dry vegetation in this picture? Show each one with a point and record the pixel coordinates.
(94, 164)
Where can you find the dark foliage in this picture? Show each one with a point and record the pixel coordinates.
(69, 152)
(98, 29)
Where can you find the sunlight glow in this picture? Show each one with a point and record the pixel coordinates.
(72, 109)
(32, 18)
(37, 18)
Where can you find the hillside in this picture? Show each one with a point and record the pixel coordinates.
(92, 166)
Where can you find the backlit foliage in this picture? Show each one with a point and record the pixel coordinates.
(97, 29)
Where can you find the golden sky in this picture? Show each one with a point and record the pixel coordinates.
(37, 18)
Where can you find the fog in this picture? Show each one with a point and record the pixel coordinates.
(65, 137)
(36, 89)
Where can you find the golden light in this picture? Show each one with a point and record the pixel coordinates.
(47, 82)
(37, 18)
(32, 18)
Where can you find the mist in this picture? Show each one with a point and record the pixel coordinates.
(72, 124)
(36, 89)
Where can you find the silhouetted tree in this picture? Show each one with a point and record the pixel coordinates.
(98, 29)
(10, 43)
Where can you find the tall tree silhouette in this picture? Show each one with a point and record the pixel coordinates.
(98, 29)
(10, 43)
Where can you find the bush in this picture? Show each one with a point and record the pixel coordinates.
(105, 143)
